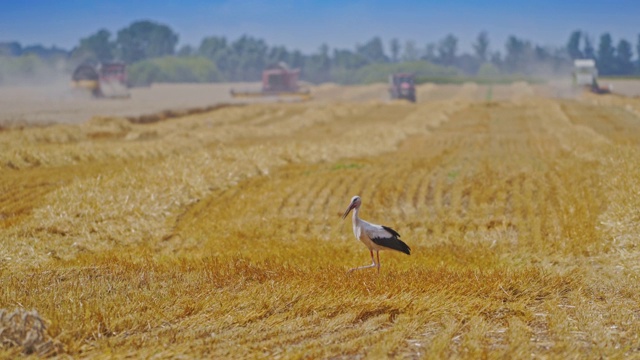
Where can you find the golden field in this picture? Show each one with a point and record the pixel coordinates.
(218, 234)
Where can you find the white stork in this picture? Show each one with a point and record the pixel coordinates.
(375, 237)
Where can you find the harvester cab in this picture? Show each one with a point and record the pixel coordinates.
(402, 86)
(102, 80)
(277, 81)
(585, 75)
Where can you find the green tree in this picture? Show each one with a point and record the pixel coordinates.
(430, 52)
(379, 72)
(297, 59)
(638, 55)
(347, 59)
(173, 69)
(588, 51)
(98, 47)
(573, 45)
(278, 54)
(10, 49)
(496, 59)
(410, 52)
(212, 46)
(144, 73)
(519, 55)
(144, 40)
(481, 46)
(394, 46)
(373, 51)
(317, 67)
(217, 49)
(248, 58)
(23, 69)
(606, 55)
(541, 54)
(186, 50)
(488, 71)
(50, 54)
(624, 55)
(447, 49)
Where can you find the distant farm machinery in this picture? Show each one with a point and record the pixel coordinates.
(102, 80)
(585, 75)
(277, 81)
(402, 86)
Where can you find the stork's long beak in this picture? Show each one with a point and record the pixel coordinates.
(347, 211)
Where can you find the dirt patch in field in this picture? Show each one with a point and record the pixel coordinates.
(28, 105)
(625, 87)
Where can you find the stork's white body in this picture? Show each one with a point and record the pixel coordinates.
(365, 231)
(374, 237)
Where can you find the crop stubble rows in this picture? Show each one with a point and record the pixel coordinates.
(220, 234)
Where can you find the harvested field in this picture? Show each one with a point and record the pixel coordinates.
(44, 105)
(626, 87)
(59, 103)
(218, 234)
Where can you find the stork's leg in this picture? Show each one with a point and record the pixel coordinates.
(373, 264)
(378, 255)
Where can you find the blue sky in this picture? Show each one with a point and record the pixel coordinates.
(306, 24)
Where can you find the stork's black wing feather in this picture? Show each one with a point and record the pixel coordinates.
(391, 231)
(392, 242)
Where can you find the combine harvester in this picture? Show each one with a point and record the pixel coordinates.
(102, 80)
(277, 81)
(585, 75)
(402, 86)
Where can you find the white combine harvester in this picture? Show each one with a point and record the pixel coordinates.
(585, 74)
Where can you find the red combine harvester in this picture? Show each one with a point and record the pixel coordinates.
(402, 86)
(277, 81)
(102, 80)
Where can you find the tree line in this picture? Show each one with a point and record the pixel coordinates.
(150, 48)
(611, 58)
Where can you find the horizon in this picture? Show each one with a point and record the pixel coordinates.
(64, 23)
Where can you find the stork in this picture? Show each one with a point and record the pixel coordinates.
(375, 237)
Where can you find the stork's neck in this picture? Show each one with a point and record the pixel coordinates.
(355, 217)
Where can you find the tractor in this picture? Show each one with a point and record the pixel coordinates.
(402, 86)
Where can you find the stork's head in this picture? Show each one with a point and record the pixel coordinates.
(355, 204)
